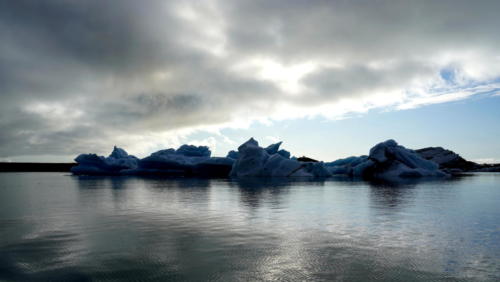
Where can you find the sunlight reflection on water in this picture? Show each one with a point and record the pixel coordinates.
(56, 226)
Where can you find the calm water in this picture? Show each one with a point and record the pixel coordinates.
(58, 227)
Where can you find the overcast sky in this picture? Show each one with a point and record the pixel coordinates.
(331, 78)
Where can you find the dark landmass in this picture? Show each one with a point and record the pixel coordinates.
(488, 168)
(306, 160)
(38, 167)
(452, 162)
(447, 159)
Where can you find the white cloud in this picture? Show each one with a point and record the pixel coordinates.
(273, 139)
(146, 76)
(286, 77)
(487, 161)
(210, 142)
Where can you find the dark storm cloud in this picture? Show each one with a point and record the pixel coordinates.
(103, 54)
(81, 75)
(360, 30)
(101, 34)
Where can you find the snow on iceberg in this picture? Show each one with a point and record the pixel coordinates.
(255, 161)
(93, 164)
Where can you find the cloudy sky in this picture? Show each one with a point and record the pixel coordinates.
(330, 78)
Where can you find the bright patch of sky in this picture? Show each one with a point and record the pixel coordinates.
(459, 126)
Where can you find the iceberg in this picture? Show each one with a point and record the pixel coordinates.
(214, 167)
(255, 161)
(193, 151)
(93, 164)
(187, 160)
(284, 153)
(233, 155)
(348, 166)
(447, 160)
(388, 160)
(273, 148)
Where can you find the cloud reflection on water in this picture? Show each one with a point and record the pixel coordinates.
(192, 229)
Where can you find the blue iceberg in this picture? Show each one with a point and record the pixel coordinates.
(187, 160)
(386, 160)
(93, 164)
(255, 161)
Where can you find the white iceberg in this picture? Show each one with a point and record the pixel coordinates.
(117, 161)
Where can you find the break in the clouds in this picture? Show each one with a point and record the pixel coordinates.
(80, 76)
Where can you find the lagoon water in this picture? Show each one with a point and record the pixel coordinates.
(58, 227)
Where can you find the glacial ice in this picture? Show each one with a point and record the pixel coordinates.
(284, 153)
(255, 161)
(187, 160)
(447, 160)
(273, 148)
(117, 161)
(233, 155)
(386, 160)
(390, 160)
(193, 151)
(347, 166)
(438, 155)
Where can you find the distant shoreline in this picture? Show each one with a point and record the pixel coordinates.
(35, 167)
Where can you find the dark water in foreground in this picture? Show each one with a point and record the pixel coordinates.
(58, 227)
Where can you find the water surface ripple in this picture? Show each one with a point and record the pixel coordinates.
(58, 227)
